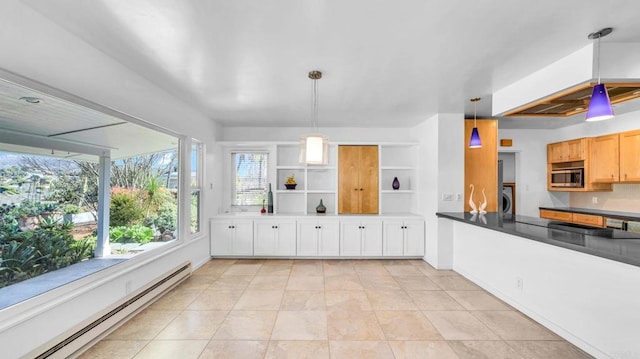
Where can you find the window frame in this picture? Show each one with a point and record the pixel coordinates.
(232, 176)
(198, 187)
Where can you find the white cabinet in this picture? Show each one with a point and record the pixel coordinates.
(231, 237)
(361, 238)
(318, 238)
(275, 237)
(403, 238)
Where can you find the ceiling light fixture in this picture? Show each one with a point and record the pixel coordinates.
(475, 142)
(30, 99)
(314, 148)
(599, 105)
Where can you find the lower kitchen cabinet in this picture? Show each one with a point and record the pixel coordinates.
(231, 238)
(274, 238)
(318, 238)
(361, 238)
(403, 238)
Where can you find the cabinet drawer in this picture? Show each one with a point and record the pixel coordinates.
(588, 219)
(557, 215)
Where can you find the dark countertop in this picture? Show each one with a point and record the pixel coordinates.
(606, 243)
(630, 216)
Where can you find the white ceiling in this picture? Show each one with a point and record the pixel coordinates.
(385, 63)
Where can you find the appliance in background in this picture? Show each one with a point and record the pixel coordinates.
(499, 192)
(509, 198)
(569, 177)
(623, 225)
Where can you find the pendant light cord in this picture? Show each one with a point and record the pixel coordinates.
(315, 106)
(599, 59)
(475, 112)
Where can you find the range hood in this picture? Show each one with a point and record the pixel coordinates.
(564, 87)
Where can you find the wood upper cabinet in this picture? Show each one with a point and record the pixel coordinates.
(630, 156)
(567, 151)
(358, 179)
(605, 159)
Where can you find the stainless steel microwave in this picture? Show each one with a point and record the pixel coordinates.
(573, 178)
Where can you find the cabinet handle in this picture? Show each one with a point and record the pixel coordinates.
(625, 176)
(361, 189)
(355, 189)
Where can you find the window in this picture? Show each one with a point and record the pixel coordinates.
(249, 181)
(196, 187)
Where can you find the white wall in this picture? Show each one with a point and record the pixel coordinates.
(508, 166)
(585, 299)
(35, 48)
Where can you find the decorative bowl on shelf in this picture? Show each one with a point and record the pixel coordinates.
(290, 185)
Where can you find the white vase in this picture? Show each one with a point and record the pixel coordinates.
(483, 206)
(474, 208)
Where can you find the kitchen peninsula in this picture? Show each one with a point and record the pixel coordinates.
(578, 285)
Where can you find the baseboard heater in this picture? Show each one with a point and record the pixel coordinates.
(97, 329)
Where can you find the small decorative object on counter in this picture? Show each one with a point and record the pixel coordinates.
(396, 183)
(474, 208)
(270, 200)
(321, 208)
(291, 182)
(483, 205)
(263, 210)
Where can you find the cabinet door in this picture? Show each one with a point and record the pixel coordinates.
(575, 150)
(629, 155)
(368, 175)
(556, 215)
(605, 157)
(371, 238)
(350, 236)
(265, 238)
(414, 238)
(243, 238)
(555, 152)
(348, 182)
(393, 238)
(285, 238)
(221, 238)
(329, 238)
(307, 239)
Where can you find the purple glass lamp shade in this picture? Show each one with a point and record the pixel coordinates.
(599, 106)
(475, 139)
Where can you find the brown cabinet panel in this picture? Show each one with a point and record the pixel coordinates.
(605, 159)
(481, 165)
(575, 149)
(556, 215)
(630, 156)
(358, 179)
(567, 151)
(587, 219)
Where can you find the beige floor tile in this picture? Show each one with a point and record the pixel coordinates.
(416, 283)
(347, 300)
(242, 269)
(429, 271)
(247, 325)
(114, 349)
(298, 349)
(547, 349)
(245, 349)
(367, 268)
(303, 300)
(403, 270)
(343, 282)
(383, 282)
(146, 325)
(334, 268)
(278, 262)
(311, 268)
(213, 269)
(215, 299)
(196, 282)
(301, 282)
(300, 325)
(199, 324)
(434, 300)
(176, 300)
(171, 349)
(360, 349)
(260, 300)
(454, 283)
(459, 325)
(274, 270)
(484, 349)
(233, 282)
(422, 349)
(268, 282)
(390, 300)
(478, 300)
(406, 325)
(349, 325)
(512, 325)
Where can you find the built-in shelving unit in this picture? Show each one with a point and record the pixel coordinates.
(398, 160)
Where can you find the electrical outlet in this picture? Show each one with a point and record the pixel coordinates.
(594, 200)
(519, 283)
(447, 196)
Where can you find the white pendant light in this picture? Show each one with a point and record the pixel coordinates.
(314, 148)
(599, 105)
(474, 141)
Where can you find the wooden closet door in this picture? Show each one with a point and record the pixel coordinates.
(348, 185)
(369, 179)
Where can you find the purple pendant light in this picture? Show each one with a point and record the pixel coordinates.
(599, 105)
(475, 136)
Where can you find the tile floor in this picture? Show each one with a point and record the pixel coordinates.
(330, 309)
